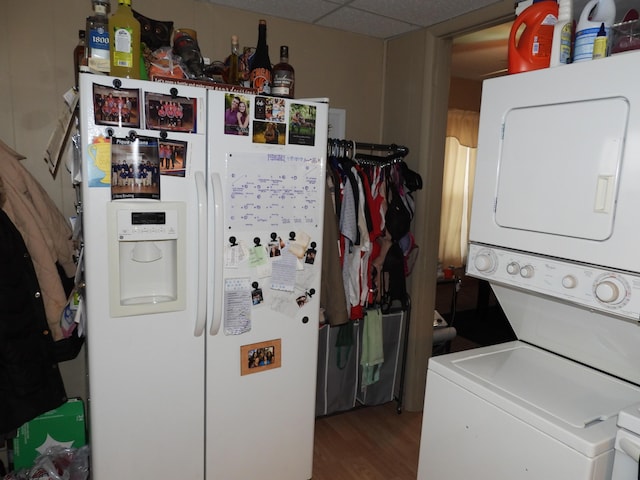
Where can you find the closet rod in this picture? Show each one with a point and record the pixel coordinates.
(382, 147)
(392, 147)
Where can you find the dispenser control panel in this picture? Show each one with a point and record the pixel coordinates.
(146, 225)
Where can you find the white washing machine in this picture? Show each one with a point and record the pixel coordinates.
(521, 409)
(554, 231)
(625, 464)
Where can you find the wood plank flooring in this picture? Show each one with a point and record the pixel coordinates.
(369, 443)
(375, 443)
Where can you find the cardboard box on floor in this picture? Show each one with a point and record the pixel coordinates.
(64, 426)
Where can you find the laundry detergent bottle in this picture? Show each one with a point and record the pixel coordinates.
(594, 14)
(532, 49)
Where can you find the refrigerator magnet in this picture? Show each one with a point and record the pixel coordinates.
(99, 162)
(258, 357)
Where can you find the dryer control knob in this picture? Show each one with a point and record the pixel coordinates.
(569, 281)
(610, 290)
(513, 268)
(483, 262)
(526, 271)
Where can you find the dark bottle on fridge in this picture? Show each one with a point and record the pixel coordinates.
(79, 55)
(283, 76)
(233, 62)
(260, 64)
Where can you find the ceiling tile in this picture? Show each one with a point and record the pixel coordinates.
(300, 10)
(420, 12)
(366, 23)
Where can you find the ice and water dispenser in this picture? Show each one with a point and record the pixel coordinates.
(147, 257)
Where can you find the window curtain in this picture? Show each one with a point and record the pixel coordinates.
(457, 189)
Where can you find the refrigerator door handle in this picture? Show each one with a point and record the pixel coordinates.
(218, 225)
(201, 303)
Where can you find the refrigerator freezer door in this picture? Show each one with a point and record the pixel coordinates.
(146, 371)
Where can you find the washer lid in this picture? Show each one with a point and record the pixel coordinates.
(573, 403)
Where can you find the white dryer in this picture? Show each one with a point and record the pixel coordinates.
(554, 231)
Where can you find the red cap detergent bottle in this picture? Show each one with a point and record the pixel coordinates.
(532, 49)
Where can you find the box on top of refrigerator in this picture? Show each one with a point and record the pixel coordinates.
(63, 426)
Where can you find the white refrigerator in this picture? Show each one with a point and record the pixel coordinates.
(202, 227)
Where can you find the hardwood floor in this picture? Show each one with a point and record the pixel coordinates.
(375, 443)
(369, 443)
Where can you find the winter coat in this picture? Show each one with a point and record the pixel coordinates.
(45, 231)
(30, 382)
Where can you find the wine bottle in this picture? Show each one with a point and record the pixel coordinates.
(233, 68)
(124, 42)
(98, 37)
(260, 64)
(283, 76)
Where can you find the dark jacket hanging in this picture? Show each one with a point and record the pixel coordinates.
(30, 382)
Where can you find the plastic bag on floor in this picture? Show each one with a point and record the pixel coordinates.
(58, 463)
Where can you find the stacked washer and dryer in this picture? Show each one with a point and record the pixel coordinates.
(555, 230)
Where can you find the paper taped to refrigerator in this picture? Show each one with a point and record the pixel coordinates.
(237, 306)
(270, 190)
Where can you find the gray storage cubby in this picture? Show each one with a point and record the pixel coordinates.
(340, 389)
(387, 388)
(336, 384)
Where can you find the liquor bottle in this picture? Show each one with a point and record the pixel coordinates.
(260, 64)
(98, 37)
(124, 42)
(79, 54)
(284, 76)
(233, 67)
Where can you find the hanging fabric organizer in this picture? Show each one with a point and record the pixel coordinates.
(371, 191)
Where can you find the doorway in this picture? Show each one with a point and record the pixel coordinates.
(474, 311)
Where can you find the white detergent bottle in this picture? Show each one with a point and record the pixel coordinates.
(562, 35)
(594, 14)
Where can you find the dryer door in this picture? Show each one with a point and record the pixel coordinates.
(558, 168)
(559, 161)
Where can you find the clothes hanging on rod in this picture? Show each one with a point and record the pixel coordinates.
(374, 208)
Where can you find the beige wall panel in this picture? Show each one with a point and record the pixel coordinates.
(39, 37)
